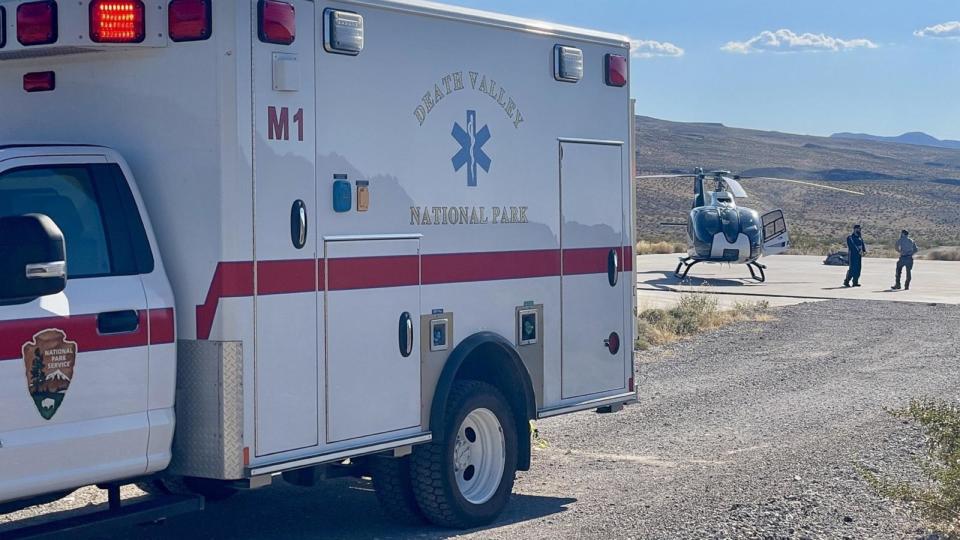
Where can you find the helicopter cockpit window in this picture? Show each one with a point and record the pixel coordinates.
(706, 224)
(749, 221)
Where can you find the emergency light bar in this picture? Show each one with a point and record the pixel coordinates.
(190, 20)
(567, 64)
(278, 22)
(616, 70)
(343, 32)
(116, 21)
(37, 23)
(45, 28)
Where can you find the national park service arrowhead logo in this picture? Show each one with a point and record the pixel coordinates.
(49, 360)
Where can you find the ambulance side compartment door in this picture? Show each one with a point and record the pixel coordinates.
(287, 361)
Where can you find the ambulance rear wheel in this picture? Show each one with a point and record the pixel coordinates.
(465, 480)
(394, 489)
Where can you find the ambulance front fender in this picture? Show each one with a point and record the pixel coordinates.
(488, 357)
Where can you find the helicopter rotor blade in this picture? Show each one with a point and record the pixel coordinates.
(651, 176)
(803, 183)
(667, 224)
(735, 188)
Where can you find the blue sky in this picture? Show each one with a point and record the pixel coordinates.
(864, 69)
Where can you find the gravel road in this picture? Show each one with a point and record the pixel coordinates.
(751, 431)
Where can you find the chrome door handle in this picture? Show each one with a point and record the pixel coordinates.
(298, 224)
(405, 334)
(613, 267)
(47, 270)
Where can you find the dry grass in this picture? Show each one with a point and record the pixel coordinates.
(659, 248)
(695, 313)
(937, 498)
(942, 254)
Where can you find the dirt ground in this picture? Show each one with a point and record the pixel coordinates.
(752, 431)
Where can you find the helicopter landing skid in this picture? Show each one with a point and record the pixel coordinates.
(686, 263)
(759, 268)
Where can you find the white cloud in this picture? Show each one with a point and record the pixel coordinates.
(784, 40)
(947, 30)
(647, 48)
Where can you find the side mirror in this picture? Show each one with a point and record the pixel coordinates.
(32, 258)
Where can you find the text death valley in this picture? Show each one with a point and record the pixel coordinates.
(467, 215)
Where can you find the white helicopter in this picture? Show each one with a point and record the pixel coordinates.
(719, 231)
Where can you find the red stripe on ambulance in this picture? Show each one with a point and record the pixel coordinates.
(236, 279)
(82, 329)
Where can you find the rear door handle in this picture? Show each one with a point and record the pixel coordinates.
(405, 332)
(613, 267)
(118, 322)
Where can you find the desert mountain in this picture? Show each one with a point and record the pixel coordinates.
(916, 138)
(906, 186)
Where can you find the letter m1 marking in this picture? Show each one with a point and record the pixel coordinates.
(278, 125)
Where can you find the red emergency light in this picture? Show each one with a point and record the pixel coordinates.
(190, 20)
(37, 23)
(117, 21)
(42, 81)
(616, 70)
(278, 22)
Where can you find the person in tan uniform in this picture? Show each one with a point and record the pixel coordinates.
(907, 248)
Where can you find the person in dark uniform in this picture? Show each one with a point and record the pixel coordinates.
(907, 248)
(857, 249)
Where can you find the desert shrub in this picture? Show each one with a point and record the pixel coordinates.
(939, 499)
(694, 313)
(751, 309)
(654, 316)
(644, 330)
(659, 248)
(943, 254)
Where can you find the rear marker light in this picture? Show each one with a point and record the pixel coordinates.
(115, 21)
(613, 343)
(37, 23)
(190, 20)
(43, 81)
(278, 22)
(616, 70)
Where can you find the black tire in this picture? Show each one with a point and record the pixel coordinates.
(154, 487)
(211, 490)
(391, 481)
(432, 465)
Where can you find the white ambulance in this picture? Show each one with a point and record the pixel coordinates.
(241, 240)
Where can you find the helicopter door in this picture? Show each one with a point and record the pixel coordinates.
(776, 239)
(594, 357)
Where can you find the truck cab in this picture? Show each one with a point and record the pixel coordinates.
(86, 313)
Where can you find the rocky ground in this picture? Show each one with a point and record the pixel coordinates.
(752, 431)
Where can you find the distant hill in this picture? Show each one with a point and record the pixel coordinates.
(907, 186)
(664, 146)
(916, 138)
